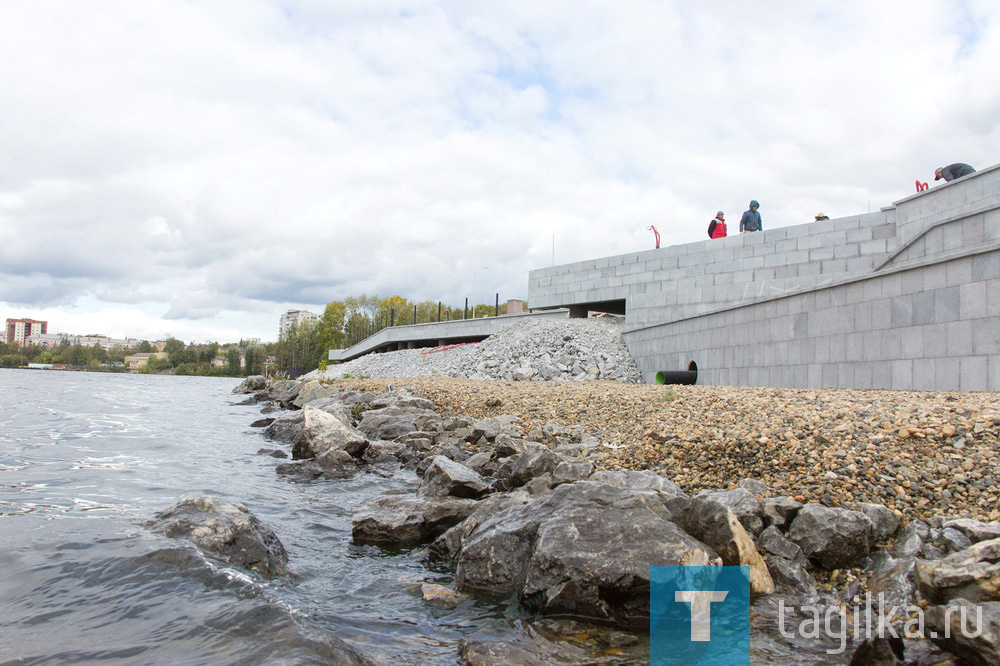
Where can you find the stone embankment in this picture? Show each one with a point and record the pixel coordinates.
(550, 513)
(553, 350)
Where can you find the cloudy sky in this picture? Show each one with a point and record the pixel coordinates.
(196, 168)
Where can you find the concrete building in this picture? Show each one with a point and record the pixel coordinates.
(904, 298)
(18, 330)
(293, 318)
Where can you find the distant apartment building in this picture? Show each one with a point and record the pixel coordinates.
(57, 339)
(18, 330)
(295, 317)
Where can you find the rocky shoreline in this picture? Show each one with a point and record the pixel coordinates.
(543, 495)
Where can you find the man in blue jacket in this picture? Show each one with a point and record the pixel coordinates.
(751, 219)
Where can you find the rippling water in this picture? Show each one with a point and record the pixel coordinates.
(86, 459)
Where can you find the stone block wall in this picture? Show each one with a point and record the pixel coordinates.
(933, 327)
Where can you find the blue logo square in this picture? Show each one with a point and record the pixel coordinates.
(699, 615)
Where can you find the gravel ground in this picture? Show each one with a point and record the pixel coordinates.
(919, 453)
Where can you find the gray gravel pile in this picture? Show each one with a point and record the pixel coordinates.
(546, 350)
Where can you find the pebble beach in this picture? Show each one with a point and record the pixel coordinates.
(921, 454)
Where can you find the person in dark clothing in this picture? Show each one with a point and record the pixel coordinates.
(751, 219)
(717, 227)
(953, 171)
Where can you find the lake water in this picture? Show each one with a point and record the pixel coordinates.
(86, 459)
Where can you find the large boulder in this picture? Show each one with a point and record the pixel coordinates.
(972, 574)
(392, 422)
(974, 530)
(785, 562)
(536, 460)
(407, 520)
(227, 532)
(715, 525)
(252, 384)
(445, 477)
(831, 538)
(322, 431)
(745, 505)
(286, 427)
(582, 549)
(449, 544)
(884, 521)
(779, 511)
(952, 627)
(311, 392)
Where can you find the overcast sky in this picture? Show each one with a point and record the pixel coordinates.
(197, 168)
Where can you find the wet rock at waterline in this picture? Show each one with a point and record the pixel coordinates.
(407, 520)
(323, 432)
(227, 532)
(552, 552)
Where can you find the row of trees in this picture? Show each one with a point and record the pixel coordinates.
(303, 348)
(347, 322)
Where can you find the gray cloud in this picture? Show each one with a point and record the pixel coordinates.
(217, 164)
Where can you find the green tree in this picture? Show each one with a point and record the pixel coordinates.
(253, 358)
(330, 328)
(233, 360)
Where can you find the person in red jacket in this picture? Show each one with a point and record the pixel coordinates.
(717, 227)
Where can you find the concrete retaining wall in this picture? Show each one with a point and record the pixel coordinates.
(902, 298)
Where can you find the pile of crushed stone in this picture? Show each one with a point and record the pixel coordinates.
(541, 350)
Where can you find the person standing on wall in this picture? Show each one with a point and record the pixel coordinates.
(751, 219)
(953, 171)
(717, 227)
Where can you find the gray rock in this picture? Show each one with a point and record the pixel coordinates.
(312, 392)
(337, 464)
(772, 542)
(227, 532)
(715, 525)
(909, 541)
(975, 530)
(536, 460)
(744, 504)
(406, 520)
(757, 488)
(893, 579)
(779, 511)
(879, 652)
(553, 552)
(569, 471)
(252, 384)
(262, 423)
(972, 574)
(493, 427)
(539, 484)
(884, 521)
(286, 427)
(300, 469)
(482, 463)
(449, 544)
(383, 453)
(393, 422)
(444, 477)
(831, 538)
(954, 539)
(980, 650)
(322, 432)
